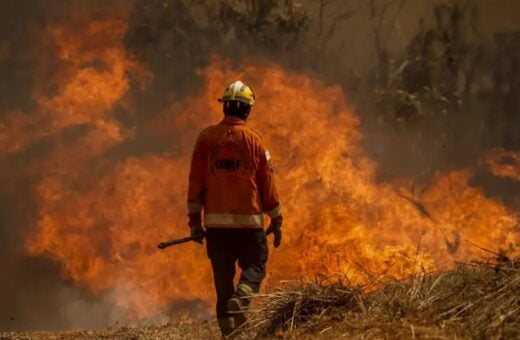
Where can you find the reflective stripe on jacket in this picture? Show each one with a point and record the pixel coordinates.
(231, 178)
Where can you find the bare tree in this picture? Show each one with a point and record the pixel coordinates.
(327, 26)
(383, 13)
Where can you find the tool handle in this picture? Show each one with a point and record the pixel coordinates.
(167, 244)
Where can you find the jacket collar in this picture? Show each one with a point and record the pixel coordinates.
(230, 120)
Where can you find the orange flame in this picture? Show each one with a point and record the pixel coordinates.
(504, 163)
(101, 219)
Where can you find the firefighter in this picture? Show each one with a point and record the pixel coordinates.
(231, 183)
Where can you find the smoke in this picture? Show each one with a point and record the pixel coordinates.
(171, 40)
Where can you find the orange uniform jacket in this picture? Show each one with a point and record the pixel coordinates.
(231, 178)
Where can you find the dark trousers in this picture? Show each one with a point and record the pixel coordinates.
(226, 247)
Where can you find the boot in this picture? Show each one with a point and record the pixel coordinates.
(237, 305)
(226, 325)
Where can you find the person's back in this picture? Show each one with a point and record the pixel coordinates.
(231, 181)
(233, 175)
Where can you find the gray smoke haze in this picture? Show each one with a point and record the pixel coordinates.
(173, 38)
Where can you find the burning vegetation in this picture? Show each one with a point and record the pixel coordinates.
(103, 153)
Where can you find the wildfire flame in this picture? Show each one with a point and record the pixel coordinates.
(504, 163)
(101, 218)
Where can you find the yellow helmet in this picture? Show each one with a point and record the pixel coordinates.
(240, 92)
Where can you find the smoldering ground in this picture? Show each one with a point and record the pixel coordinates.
(358, 44)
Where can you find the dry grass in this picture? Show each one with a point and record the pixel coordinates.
(476, 300)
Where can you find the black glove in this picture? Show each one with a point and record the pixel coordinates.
(199, 231)
(276, 228)
(196, 229)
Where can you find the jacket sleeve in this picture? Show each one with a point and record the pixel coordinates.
(196, 185)
(266, 185)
